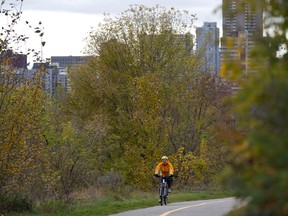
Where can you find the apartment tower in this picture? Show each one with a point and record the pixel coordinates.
(242, 16)
(242, 26)
(207, 44)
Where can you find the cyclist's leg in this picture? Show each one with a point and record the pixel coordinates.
(169, 183)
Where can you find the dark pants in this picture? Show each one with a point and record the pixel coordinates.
(168, 179)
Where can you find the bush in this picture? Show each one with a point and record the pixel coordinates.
(53, 206)
(15, 203)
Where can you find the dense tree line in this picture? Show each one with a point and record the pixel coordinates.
(145, 86)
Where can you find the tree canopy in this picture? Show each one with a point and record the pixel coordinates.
(258, 167)
(145, 83)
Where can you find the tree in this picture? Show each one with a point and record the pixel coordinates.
(258, 170)
(22, 151)
(145, 88)
(70, 148)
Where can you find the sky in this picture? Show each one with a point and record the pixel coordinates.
(66, 23)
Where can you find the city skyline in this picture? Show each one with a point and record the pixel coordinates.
(66, 25)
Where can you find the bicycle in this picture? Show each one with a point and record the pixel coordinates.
(163, 190)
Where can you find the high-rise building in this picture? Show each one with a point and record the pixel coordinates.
(49, 77)
(14, 64)
(68, 61)
(242, 27)
(242, 16)
(16, 60)
(63, 63)
(207, 45)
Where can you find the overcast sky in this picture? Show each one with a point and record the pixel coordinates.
(67, 22)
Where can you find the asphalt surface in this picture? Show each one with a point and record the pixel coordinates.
(214, 207)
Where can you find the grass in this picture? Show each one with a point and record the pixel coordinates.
(115, 203)
(238, 212)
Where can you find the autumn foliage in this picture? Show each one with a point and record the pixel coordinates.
(258, 169)
(141, 96)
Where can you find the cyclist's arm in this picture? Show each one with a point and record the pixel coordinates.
(157, 168)
(171, 171)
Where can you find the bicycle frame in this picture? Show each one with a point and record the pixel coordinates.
(163, 191)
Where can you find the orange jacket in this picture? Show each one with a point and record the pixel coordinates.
(164, 169)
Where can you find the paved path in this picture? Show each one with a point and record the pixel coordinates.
(214, 207)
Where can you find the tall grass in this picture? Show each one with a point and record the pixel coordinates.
(111, 203)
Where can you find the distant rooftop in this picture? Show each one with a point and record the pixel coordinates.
(39, 65)
(17, 60)
(68, 61)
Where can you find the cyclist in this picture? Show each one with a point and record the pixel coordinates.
(165, 169)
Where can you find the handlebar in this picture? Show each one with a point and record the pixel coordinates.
(160, 176)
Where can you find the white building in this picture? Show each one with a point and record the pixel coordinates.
(207, 45)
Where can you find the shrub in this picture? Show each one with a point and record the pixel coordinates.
(15, 203)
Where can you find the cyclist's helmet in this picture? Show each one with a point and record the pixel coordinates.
(164, 158)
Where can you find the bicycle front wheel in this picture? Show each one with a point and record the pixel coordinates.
(162, 201)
